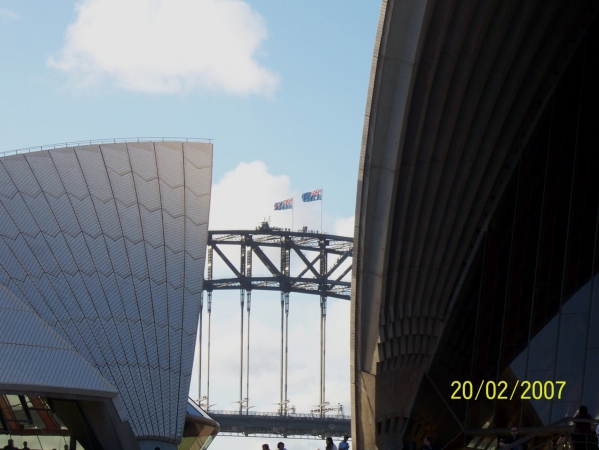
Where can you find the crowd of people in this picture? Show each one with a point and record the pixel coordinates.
(330, 445)
(11, 446)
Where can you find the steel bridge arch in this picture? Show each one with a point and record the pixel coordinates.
(325, 271)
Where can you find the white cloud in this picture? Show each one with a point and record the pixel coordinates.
(6, 15)
(246, 195)
(166, 46)
(344, 227)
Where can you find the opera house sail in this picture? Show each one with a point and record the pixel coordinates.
(475, 295)
(102, 253)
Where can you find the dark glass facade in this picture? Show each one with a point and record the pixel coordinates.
(200, 429)
(40, 421)
(29, 418)
(529, 307)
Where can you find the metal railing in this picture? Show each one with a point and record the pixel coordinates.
(101, 141)
(560, 433)
(277, 415)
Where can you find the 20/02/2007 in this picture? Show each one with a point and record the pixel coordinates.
(536, 390)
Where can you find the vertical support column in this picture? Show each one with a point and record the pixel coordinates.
(247, 355)
(323, 337)
(248, 268)
(285, 286)
(209, 309)
(200, 349)
(282, 345)
(241, 303)
(286, 400)
(323, 320)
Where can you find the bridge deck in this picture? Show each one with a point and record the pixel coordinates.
(290, 425)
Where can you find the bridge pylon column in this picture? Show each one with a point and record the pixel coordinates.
(242, 263)
(200, 348)
(209, 310)
(323, 338)
(209, 274)
(286, 399)
(323, 322)
(285, 286)
(242, 303)
(248, 273)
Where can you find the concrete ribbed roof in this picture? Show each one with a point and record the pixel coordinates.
(456, 89)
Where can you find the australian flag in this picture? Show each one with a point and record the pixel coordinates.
(312, 196)
(285, 204)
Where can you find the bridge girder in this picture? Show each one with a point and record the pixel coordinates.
(316, 277)
(270, 424)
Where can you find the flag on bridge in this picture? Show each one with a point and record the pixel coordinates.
(312, 196)
(285, 204)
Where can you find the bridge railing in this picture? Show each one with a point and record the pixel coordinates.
(100, 141)
(276, 414)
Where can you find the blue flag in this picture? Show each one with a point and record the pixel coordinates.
(312, 196)
(285, 204)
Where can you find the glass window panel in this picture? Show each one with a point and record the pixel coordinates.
(579, 302)
(13, 401)
(51, 442)
(519, 365)
(590, 393)
(594, 319)
(563, 409)
(541, 355)
(28, 400)
(572, 341)
(583, 217)
(37, 421)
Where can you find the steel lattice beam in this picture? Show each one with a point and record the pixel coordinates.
(313, 249)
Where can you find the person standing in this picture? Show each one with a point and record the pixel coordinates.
(513, 438)
(281, 446)
(10, 445)
(330, 445)
(582, 430)
(427, 444)
(344, 445)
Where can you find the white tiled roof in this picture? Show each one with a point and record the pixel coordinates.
(37, 359)
(106, 243)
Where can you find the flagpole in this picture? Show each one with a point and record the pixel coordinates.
(321, 202)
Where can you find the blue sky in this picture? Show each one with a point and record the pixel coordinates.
(279, 85)
(308, 128)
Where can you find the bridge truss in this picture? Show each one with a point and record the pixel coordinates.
(324, 266)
